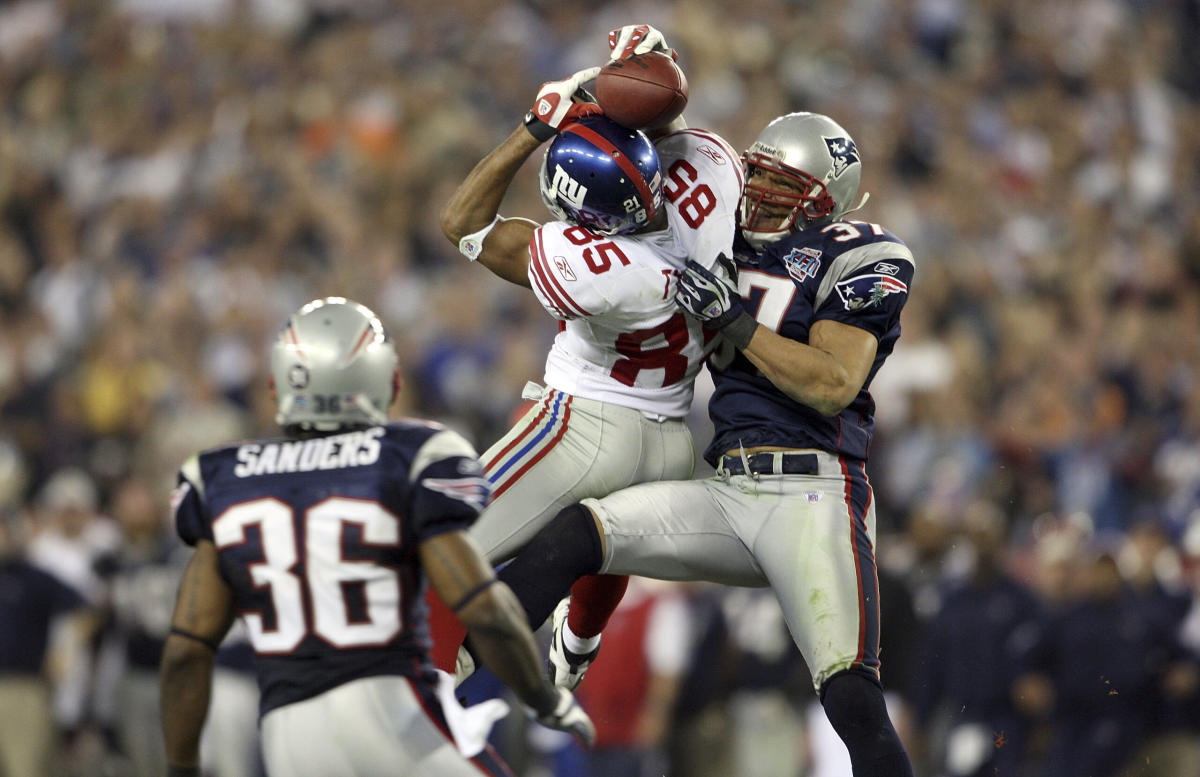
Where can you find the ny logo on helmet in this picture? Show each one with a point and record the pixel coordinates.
(844, 154)
(568, 188)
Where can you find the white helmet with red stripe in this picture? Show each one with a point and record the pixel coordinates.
(333, 366)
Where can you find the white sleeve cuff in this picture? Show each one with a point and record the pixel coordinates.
(471, 246)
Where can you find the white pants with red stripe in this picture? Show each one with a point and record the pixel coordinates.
(810, 537)
(566, 449)
(373, 727)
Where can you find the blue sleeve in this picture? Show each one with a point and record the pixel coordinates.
(191, 514)
(869, 297)
(60, 597)
(449, 494)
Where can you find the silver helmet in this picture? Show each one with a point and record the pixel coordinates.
(333, 366)
(806, 172)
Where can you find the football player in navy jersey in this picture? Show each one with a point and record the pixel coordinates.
(808, 309)
(321, 541)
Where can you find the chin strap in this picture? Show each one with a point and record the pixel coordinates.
(866, 196)
(363, 403)
(285, 408)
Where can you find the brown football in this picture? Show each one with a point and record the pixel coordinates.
(645, 91)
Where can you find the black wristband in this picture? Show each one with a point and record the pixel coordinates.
(540, 130)
(476, 591)
(208, 643)
(183, 771)
(740, 331)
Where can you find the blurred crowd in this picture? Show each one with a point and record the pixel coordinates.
(176, 177)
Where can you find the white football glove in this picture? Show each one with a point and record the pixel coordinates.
(553, 107)
(637, 39)
(568, 716)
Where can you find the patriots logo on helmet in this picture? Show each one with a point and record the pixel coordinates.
(844, 154)
(868, 290)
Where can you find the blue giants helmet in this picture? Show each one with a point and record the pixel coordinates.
(602, 176)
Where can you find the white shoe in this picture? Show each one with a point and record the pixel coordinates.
(566, 669)
(464, 666)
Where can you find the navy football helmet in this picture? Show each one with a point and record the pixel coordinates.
(602, 176)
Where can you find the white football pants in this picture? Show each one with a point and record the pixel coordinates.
(809, 537)
(566, 449)
(374, 727)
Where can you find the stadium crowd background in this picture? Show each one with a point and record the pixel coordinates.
(176, 177)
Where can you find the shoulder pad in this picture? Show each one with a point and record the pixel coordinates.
(560, 273)
(444, 444)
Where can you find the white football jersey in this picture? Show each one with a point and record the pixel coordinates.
(623, 340)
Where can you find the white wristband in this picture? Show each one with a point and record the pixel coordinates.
(471, 246)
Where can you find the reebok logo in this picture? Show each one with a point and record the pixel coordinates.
(564, 269)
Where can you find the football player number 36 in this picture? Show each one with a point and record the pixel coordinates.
(325, 574)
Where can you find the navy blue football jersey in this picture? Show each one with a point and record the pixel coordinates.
(318, 539)
(852, 272)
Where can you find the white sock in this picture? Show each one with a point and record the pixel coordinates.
(580, 646)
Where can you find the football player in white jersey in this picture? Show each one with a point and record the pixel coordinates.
(629, 214)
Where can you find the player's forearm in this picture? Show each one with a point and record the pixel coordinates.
(185, 685)
(476, 201)
(505, 645)
(809, 375)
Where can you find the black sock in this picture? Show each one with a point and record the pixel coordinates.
(568, 548)
(855, 706)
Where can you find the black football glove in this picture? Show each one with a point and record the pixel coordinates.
(712, 298)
